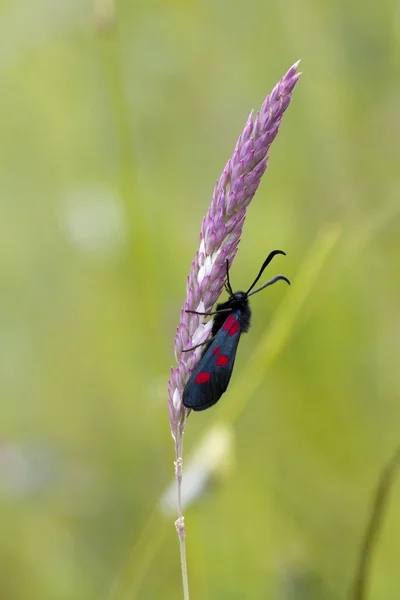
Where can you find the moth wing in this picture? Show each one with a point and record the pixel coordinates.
(212, 375)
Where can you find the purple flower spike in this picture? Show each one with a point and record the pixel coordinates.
(220, 234)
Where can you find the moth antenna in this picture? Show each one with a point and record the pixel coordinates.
(264, 265)
(270, 282)
(228, 283)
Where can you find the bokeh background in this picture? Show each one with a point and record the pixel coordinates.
(116, 118)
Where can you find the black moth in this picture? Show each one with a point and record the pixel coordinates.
(211, 377)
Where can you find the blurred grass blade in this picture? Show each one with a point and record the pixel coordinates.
(129, 580)
(374, 526)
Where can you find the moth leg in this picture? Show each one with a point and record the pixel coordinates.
(202, 344)
(209, 314)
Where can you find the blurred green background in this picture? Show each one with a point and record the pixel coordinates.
(116, 119)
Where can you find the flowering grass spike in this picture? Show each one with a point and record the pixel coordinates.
(219, 238)
(220, 234)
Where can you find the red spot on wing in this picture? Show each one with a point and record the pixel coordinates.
(222, 360)
(203, 377)
(234, 329)
(229, 322)
(216, 350)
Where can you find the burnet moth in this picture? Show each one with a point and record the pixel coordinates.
(211, 377)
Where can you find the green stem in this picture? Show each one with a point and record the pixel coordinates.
(180, 523)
